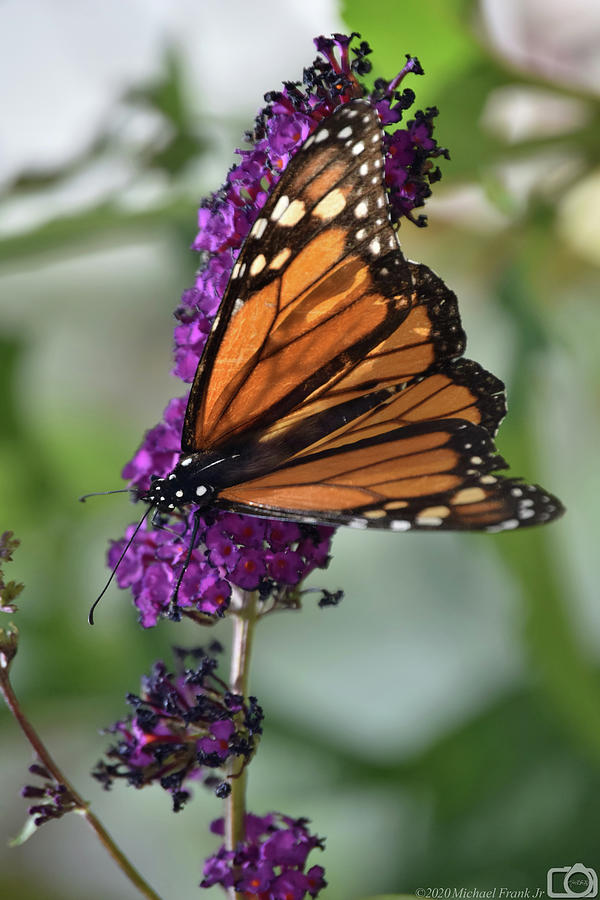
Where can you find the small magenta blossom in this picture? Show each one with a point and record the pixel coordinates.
(271, 864)
(183, 729)
(236, 552)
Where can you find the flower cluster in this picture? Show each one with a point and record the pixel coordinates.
(9, 591)
(183, 729)
(232, 550)
(270, 864)
(53, 799)
(225, 219)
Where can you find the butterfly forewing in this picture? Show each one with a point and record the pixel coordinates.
(430, 334)
(320, 281)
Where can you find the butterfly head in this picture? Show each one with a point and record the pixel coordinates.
(180, 488)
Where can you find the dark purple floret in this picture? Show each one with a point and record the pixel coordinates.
(182, 727)
(270, 862)
(235, 552)
(54, 799)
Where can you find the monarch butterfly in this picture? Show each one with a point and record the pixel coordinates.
(332, 387)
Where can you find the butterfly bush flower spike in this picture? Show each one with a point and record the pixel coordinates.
(183, 730)
(230, 553)
(271, 863)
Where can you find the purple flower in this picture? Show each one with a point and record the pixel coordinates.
(247, 530)
(183, 728)
(214, 594)
(240, 551)
(218, 739)
(249, 569)
(271, 860)
(53, 798)
(286, 567)
(160, 448)
(289, 886)
(217, 871)
(190, 338)
(233, 552)
(255, 879)
(222, 550)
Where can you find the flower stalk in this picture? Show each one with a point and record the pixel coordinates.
(244, 614)
(76, 803)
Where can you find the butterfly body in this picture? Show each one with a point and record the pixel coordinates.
(332, 387)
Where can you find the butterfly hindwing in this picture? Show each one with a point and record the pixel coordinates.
(430, 475)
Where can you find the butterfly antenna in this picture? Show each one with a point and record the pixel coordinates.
(103, 493)
(120, 560)
(174, 613)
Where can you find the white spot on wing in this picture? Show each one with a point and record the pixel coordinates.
(258, 264)
(258, 229)
(280, 207)
(507, 525)
(358, 148)
(429, 520)
(361, 210)
(281, 258)
(330, 206)
(321, 136)
(400, 525)
(345, 132)
(357, 523)
(292, 214)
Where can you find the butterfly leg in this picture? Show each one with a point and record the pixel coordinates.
(173, 611)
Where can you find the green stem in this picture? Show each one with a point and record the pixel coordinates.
(82, 807)
(244, 616)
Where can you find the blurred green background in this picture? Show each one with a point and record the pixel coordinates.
(442, 726)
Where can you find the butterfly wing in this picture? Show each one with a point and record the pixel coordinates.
(319, 282)
(425, 475)
(427, 342)
(333, 371)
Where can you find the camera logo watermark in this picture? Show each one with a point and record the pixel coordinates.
(576, 882)
(572, 881)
